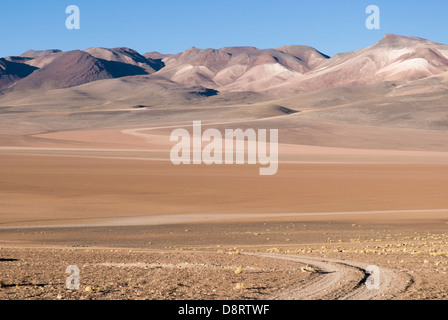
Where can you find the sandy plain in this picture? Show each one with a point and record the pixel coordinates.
(109, 201)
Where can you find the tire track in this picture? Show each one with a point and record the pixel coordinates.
(341, 280)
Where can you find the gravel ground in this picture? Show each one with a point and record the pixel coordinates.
(129, 274)
(209, 261)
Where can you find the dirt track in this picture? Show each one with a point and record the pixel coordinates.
(341, 280)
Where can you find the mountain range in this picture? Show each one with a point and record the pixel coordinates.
(278, 72)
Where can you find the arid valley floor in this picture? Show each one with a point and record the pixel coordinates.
(110, 202)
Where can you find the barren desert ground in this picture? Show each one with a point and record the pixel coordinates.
(108, 200)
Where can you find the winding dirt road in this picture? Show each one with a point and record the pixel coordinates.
(341, 280)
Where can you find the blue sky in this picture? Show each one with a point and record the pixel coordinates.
(172, 26)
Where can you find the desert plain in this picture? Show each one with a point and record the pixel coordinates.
(139, 227)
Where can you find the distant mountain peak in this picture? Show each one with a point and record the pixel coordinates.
(128, 56)
(39, 53)
(391, 40)
(73, 68)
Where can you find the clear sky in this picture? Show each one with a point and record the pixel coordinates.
(172, 26)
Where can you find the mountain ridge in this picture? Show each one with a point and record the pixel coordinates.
(281, 71)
